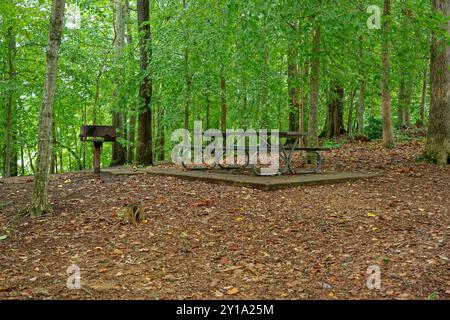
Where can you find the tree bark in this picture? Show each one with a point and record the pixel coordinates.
(11, 43)
(119, 153)
(293, 82)
(350, 114)
(40, 204)
(22, 161)
(144, 147)
(223, 97)
(437, 147)
(132, 121)
(423, 102)
(335, 115)
(388, 136)
(404, 103)
(313, 140)
(362, 90)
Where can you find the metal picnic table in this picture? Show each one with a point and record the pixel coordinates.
(285, 151)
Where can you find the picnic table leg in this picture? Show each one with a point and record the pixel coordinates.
(97, 156)
(288, 157)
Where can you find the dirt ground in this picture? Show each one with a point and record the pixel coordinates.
(209, 241)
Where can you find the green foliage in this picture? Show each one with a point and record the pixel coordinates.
(248, 40)
(374, 128)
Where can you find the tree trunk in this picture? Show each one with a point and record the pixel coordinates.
(350, 114)
(144, 147)
(423, 102)
(22, 161)
(404, 103)
(208, 107)
(313, 140)
(335, 115)
(11, 43)
(40, 203)
(362, 91)
(303, 101)
(293, 83)
(161, 134)
(132, 121)
(437, 147)
(388, 136)
(223, 96)
(53, 168)
(119, 153)
(30, 158)
(187, 78)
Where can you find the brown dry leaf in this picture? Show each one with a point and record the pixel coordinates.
(232, 291)
(103, 270)
(117, 252)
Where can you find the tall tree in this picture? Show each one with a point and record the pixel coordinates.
(223, 99)
(315, 87)
(144, 147)
(334, 125)
(438, 138)
(119, 154)
(293, 81)
(388, 135)
(11, 44)
(40, 204)
(404, 102)
(132, 121)
(423, 101)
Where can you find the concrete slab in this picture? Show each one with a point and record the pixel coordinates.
(260, 182)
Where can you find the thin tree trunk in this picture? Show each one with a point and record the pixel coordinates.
(423, 102)
(30, 159)
(208, 107)
(96, 99)
(53, 169)
(303, 100)
(223, 97)
(22, 161)
(161, 140)
(293, 83)
(11, 42)
(144, 147)
(313, 140)
(437, 147)
(388, 136)
(188, 79)
(132, 121)
(362, 90)
(401, 104)
(350, 114)
(40, 204)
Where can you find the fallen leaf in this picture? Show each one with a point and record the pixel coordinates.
(118, 252)
(232, 291)
(371, 214)
(3, 237)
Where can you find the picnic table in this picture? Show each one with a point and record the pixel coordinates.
(285, 151)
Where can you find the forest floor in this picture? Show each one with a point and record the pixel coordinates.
(209, 241)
